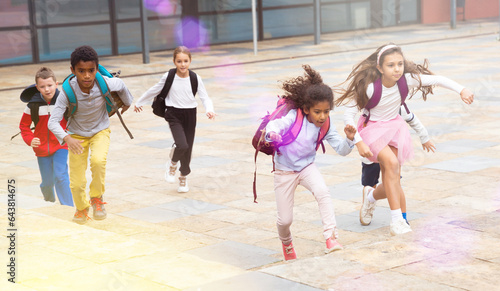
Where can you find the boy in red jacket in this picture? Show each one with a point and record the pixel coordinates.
(52, 157)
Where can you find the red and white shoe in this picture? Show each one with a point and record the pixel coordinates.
(289, 252)
(332, 245)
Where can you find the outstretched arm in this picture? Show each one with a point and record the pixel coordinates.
(434, 80)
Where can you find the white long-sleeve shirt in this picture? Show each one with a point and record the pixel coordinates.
(180, 94)
(91, 115)
(302, 151)
(390, 102)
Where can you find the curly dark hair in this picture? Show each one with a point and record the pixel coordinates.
(84, 53)
(306, 91)
(366, 73)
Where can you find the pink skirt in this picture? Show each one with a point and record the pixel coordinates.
(379, 134)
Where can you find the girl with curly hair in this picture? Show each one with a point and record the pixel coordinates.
(383, 136)
(294, 162)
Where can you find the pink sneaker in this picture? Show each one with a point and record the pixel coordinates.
(289, 252)
(332, 245)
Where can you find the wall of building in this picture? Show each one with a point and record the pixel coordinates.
(434, 11)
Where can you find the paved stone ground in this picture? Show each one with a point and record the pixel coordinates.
(215, 237)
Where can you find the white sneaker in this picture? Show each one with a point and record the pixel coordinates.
(170, 172)
(183, 185)
(399, 227)
(367, 208)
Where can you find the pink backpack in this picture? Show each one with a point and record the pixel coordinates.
(270, 148)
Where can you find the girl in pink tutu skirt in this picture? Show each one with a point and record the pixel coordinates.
(378, 87)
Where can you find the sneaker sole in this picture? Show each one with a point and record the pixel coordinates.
(395, 234)
(100, 218)
(337, 248)
(360, 210)
(171, 181)
(79, 221)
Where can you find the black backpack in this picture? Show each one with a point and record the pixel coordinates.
(34, 98)
(158, 105)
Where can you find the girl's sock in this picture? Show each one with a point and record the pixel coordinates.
(396, 215)
(404, 216)
(370, 196)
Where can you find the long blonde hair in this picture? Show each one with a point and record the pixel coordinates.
(366, 73)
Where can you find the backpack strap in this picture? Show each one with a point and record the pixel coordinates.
(103, 87)
(377, 95)
(403, 91)
(70, 94)
(168, 83)
(35, 108)
(170, 79)
(323, 131)
(194, 82)
(294, 130)
(106, 93)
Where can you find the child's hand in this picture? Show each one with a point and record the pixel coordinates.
(211, 115)
(274, 136)
(350, 131)
(35, 142)
(74, 144)
(364, 150)
(137, 109)
(429, 146)
(467, 96)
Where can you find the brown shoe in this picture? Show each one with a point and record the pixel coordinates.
(98, 206)
(81, 216)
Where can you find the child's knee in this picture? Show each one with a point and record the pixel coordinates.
(98, 161)
(284, 221)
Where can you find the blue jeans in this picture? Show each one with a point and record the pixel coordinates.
(54, 172)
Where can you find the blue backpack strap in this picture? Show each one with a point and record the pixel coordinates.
(103, 86)
(104, 71)
(70, 94)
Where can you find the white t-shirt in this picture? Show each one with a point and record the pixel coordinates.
(180, 94)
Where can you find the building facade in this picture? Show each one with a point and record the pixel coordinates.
(34, 31)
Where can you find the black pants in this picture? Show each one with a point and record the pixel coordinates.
(370, 174)
(182, 124)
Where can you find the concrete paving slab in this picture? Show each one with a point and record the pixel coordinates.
(190, 206)
(153, 214)
(465, 164)
(241, 255)
(253, 281)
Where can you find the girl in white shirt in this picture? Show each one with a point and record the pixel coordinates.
(180, 114)
(385, 138)
(294, 162)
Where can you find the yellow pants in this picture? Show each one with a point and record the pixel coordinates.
(98, 146)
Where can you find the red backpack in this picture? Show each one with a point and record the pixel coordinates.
(270, 148)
